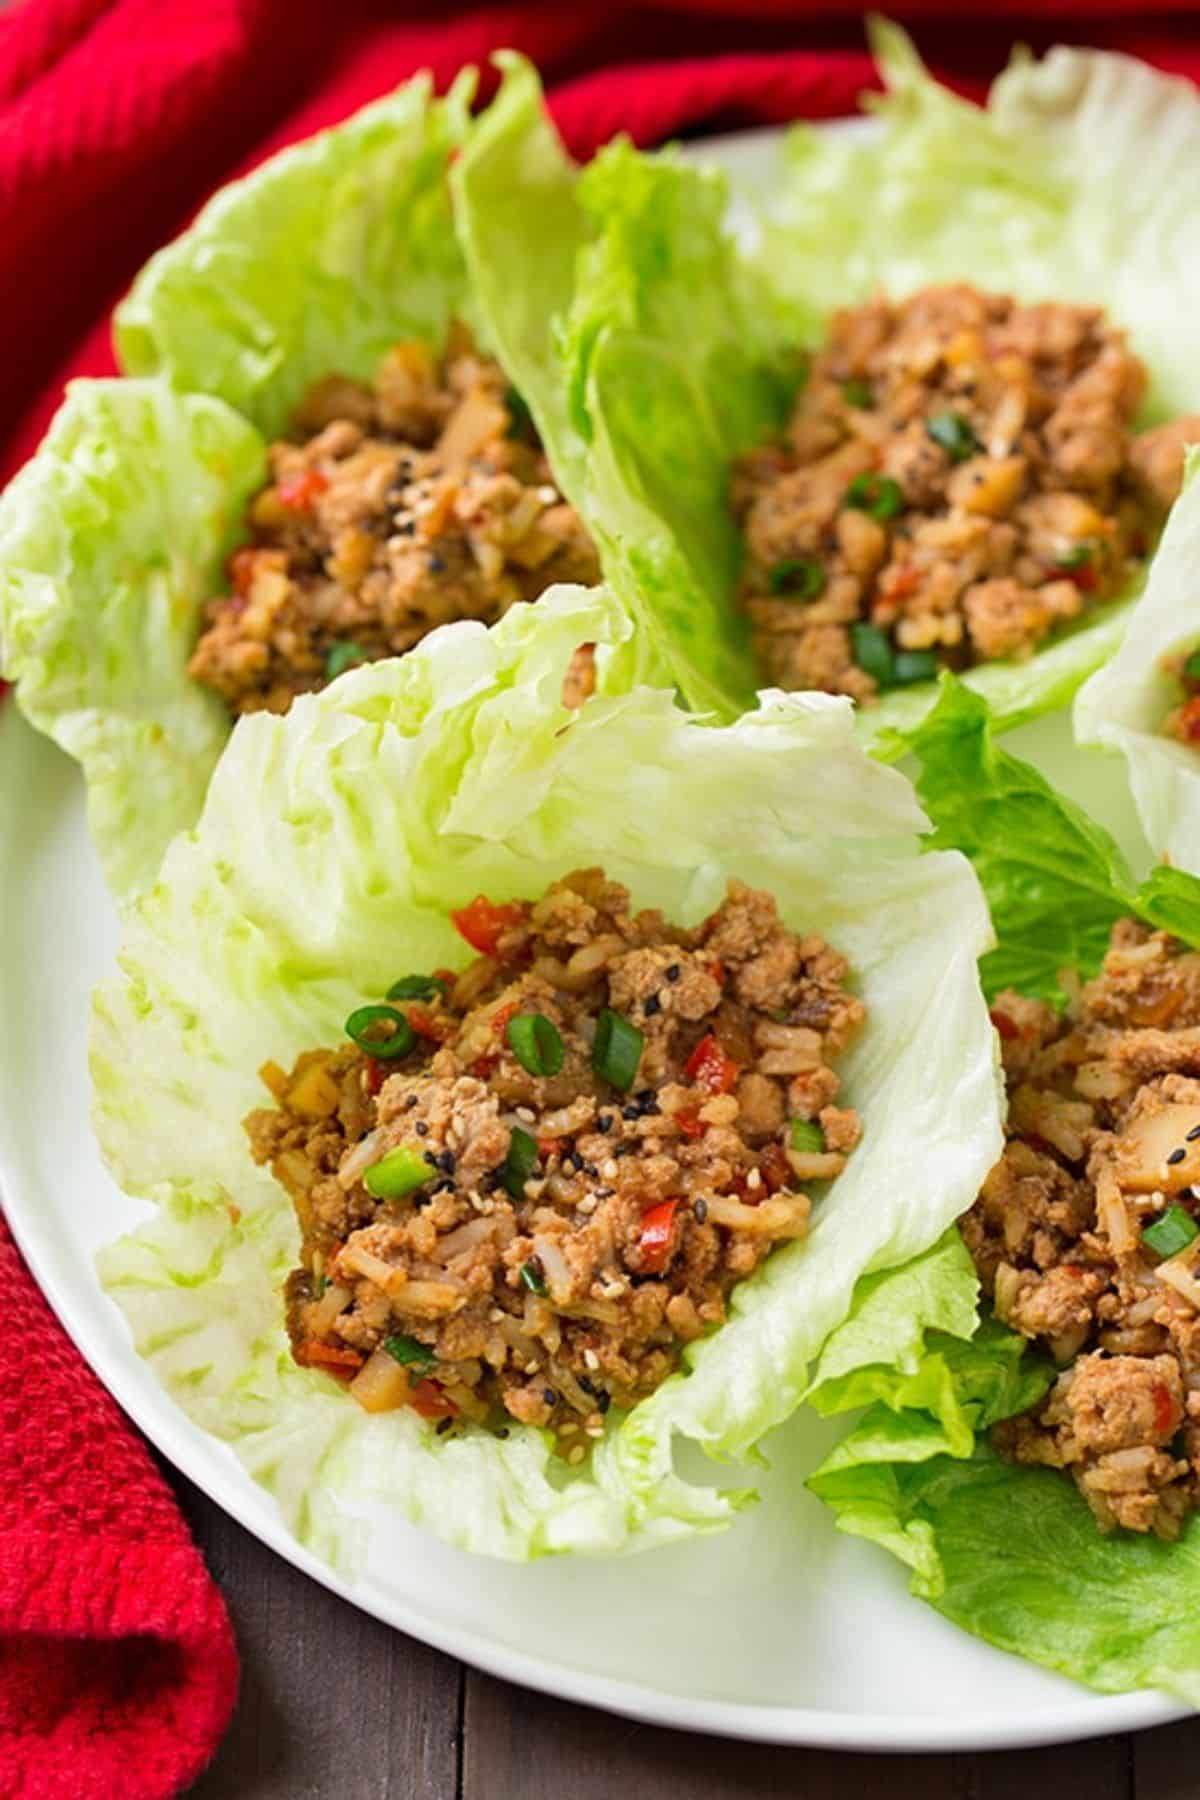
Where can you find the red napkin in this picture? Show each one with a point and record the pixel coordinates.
(117, 118)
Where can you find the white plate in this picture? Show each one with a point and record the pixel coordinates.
(779, 1629)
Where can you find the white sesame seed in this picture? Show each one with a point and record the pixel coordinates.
(577, 1454)
(587, 1204)
(531, 1368)
(591, 1359)
(495, 1315)
(526, 1114)
(609, 1169)
(754, 1179)
(568, 1428)
(547, 494)
(594, 1431)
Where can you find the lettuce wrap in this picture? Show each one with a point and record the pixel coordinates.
(332, 843)
(1125, 704)
(673, 349)
(1010, 1553)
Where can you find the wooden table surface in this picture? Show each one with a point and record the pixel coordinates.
(335, 1706)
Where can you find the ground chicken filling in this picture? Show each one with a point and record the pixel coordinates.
(958, 478)
(1085, 1233)
(393, 508)
(1183, 721)
(542, 1176)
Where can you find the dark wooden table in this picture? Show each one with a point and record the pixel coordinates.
(335, 1706)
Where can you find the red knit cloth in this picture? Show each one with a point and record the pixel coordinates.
(117, 118)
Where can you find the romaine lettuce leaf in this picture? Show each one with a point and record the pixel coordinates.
(331, 845)
(1124, 704)
(1055, 881)
(1010, 1554)
(111, 540)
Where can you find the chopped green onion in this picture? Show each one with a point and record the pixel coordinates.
(617, 1049)
(398, 1173)
(520, 419)
(410, 1354)
(913, 665)
(418, 987)
(531, 1275)
(806, 1137)
(799, 578)
(1077, 557)
(858, 393)
(1191, 668)
(952, 433)
(1173, 1232)
(342, 656)
(878, 495)
(873, 652)
(535, 1042)
(520, 1162)
(360, 1025)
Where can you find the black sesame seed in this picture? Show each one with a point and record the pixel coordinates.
(700, 1211)
(502, 1431)
(604, 1193)
(674, 972)
(631, 1112)
(421, 1128)
(445, 1186)
(592, 1170)
(653, 1005)
(605, 1122)
(1193, 1134)
(549, 1396)
(409, 1104)
(430, 1158)
(603, 1401)
(1177, 1156)
(443, 1426)
(437, 565)
(447, 1162)
(589, 1387)
(405, 527)
(626, 1149)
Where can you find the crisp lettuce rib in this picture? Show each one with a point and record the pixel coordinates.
(331, 846)
(1009, 1553)
(1124, 705)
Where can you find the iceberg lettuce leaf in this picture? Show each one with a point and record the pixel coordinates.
(1124, 705)
(400, 792)
(111, 540)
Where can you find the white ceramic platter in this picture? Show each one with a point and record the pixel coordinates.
(780, 1629)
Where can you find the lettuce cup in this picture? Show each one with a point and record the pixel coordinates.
(1031, 1445)
(504, 1127)
(311, 462)
(929, 412)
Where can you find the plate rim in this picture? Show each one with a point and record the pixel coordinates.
(198, 1455)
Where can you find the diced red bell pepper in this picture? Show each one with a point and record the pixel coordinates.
(374, 1076)
(502, 1015)
(1083, 574)
(240, 568)
(1189, 720)
(428, 1399)
(1164, 1409)
(297, 492)
(690, 1123)
(483, 923)
(548, 1147)
(717, 971)
(709, 1068)
(337, 1359)
(654, 1238)
(428, 1024)
(1004, 1025)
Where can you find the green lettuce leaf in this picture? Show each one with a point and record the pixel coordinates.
(1055, 881)
(111, 540)
(113, 536)
(401, 791)
(1071, 184)
(650, 356)
(1010, 1554)
(1124, 704)
(318, 262)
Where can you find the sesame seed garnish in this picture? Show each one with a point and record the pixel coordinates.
(700, 1211)
(568, 1428)
(1193, 1134)
(652, 1005)
(605, 1122)
(591, 1359)
(443, 1426)
(587, 1204)
(495, 1315)
(595, 1431)
(1177, 1156)
(549, 1396)
(577, 1454)
(754, 1179)
(674, 972)
(603, 1401)
(609, 1169)
(526, 1114)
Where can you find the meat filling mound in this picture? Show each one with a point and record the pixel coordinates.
(392, 508)
(524, 1187)
(958, 478)
(1085, 1233)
